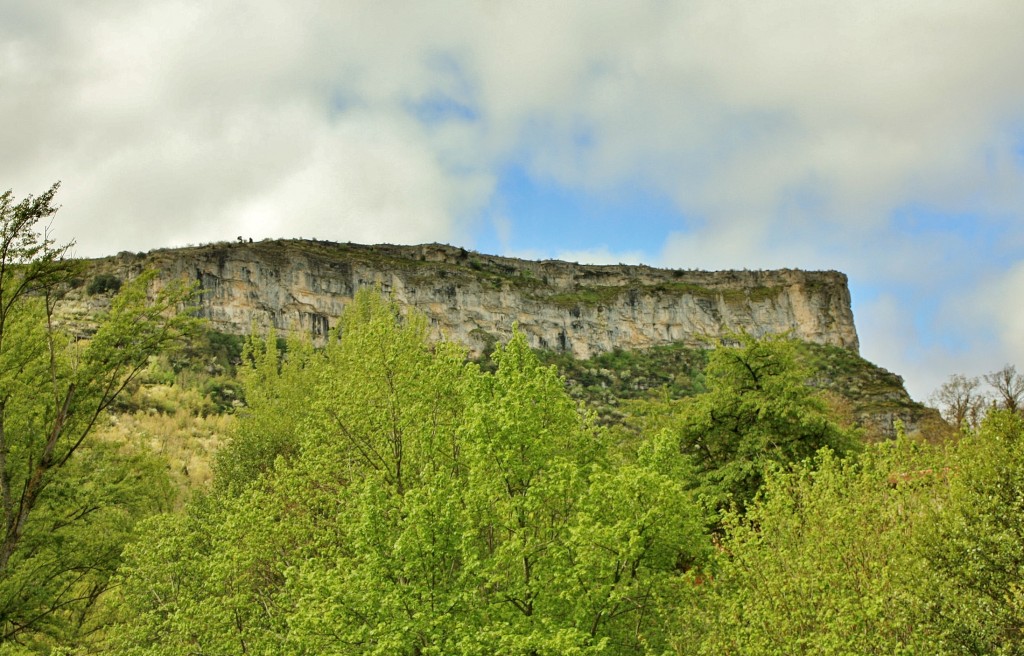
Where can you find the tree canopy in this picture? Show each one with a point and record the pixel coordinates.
(758, 413)
(424, 506)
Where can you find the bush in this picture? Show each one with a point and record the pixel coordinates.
(223, 393)
(103, 283)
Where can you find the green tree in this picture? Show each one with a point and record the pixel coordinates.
(348, 541)
(55, 547)
(529, 452)
(758, 413)
(424, 507)
(976, 542)
(637, 531)
(383, 440)
(276, 384)
(823, 563)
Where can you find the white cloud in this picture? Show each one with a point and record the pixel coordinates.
(177, 122)
(1010, 314)
(888, 335)
(894, 337)
(972, 328)
(733, 109)
(997, 308)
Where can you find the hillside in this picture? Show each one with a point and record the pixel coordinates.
(865, 394)
(231, 452)
(616, 332)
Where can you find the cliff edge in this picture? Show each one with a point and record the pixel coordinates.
(302, 285)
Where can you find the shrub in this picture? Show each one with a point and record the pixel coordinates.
(103, 283)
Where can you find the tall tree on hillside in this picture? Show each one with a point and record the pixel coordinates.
(961, 401)
(53, 393)
(1009, 387)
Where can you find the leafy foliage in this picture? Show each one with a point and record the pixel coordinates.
(104, 283)
(276, 394)
(67, 504)
(820, 564)
(382, 496)
(415, 505)
(977, 539)
(758, 413)
(608, 381)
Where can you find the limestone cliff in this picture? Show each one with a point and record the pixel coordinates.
(475, 299)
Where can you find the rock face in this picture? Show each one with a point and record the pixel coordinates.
(475, 299)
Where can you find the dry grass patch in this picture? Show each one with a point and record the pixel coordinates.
(174, 423)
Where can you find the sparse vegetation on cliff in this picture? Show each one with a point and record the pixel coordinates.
(609, 294)
(298, 285)
(866, 395)
(104, 283)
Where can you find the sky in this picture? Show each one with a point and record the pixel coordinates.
(881, 139)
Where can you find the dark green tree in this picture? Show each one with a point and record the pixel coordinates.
(758, 412)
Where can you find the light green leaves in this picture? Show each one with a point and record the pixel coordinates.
(976, 541)
(67, 505)
(823, 563)
(420, 506)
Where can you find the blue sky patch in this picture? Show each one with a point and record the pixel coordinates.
(549, 218)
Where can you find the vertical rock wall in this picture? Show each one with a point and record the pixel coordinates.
(475, 299)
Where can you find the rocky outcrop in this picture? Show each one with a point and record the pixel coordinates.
(475, 299)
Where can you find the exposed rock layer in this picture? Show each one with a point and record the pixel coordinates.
(475, 299)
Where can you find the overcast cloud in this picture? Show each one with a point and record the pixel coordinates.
(882, 139)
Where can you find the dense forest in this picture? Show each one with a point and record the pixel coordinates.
(165, 490)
